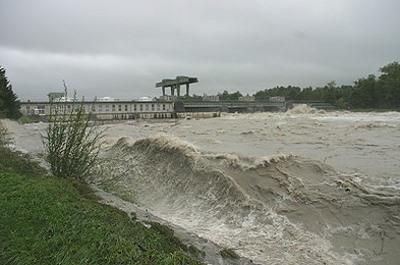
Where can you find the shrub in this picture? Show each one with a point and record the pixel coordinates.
(4, 136)
(72, 144)
(29, 119)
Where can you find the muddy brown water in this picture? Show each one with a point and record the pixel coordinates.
(301, 187)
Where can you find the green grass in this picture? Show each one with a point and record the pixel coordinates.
(19, 163)
(48, 220)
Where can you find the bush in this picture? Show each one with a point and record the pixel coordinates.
(29, 119)
(4, 136)
(72, 145)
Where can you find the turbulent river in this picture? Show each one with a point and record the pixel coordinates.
(301, 187)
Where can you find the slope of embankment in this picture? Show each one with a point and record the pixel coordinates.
(46, 220)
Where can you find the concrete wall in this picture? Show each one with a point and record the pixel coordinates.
(198, 115)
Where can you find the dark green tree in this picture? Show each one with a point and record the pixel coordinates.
(389, 85)
(227, 96)
(365, 93)
(369, 92)
(9, 104)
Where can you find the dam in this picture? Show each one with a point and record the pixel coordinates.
(165, 107)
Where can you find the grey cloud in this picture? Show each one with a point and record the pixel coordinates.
(121, 48)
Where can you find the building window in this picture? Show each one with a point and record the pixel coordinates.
(146, 107)
(107, 108)
(141, 107)
(93, 108)
(113, 107)
(119, 108)
(100, 107)
(126, 107)
(152, 107)
(163, 106)
(134, 107)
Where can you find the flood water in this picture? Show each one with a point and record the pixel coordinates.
(301, 187)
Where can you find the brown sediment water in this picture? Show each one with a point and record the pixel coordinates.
(301, 187)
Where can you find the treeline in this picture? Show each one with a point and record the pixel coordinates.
(369, 92)
(222, 96)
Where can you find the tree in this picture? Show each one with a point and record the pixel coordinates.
(369, 92)
(9, 104)
(364, 94)
(389, 85)
(227, 96)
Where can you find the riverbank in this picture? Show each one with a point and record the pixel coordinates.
(47, 220)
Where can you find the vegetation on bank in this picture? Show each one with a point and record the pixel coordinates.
(49, 220)
(371, 92)
(29, 119)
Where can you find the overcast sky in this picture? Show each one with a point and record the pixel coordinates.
(122, 48)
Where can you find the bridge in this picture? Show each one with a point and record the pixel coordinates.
(312, 103)
(229, 106)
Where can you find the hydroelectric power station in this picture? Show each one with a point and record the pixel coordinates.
(164, 107)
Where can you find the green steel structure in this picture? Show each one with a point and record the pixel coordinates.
(175, 84)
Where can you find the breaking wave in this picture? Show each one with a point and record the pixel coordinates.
(304, 109)
(274, 210)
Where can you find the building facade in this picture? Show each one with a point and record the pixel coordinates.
(112, 110)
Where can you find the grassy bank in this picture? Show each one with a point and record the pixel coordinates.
(47, 220)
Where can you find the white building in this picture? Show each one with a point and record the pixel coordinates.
(247, 98)
(206, 97)
(277, 99)
(105, 99)
(105, 110)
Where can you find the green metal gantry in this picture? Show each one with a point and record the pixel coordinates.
(176, 84)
